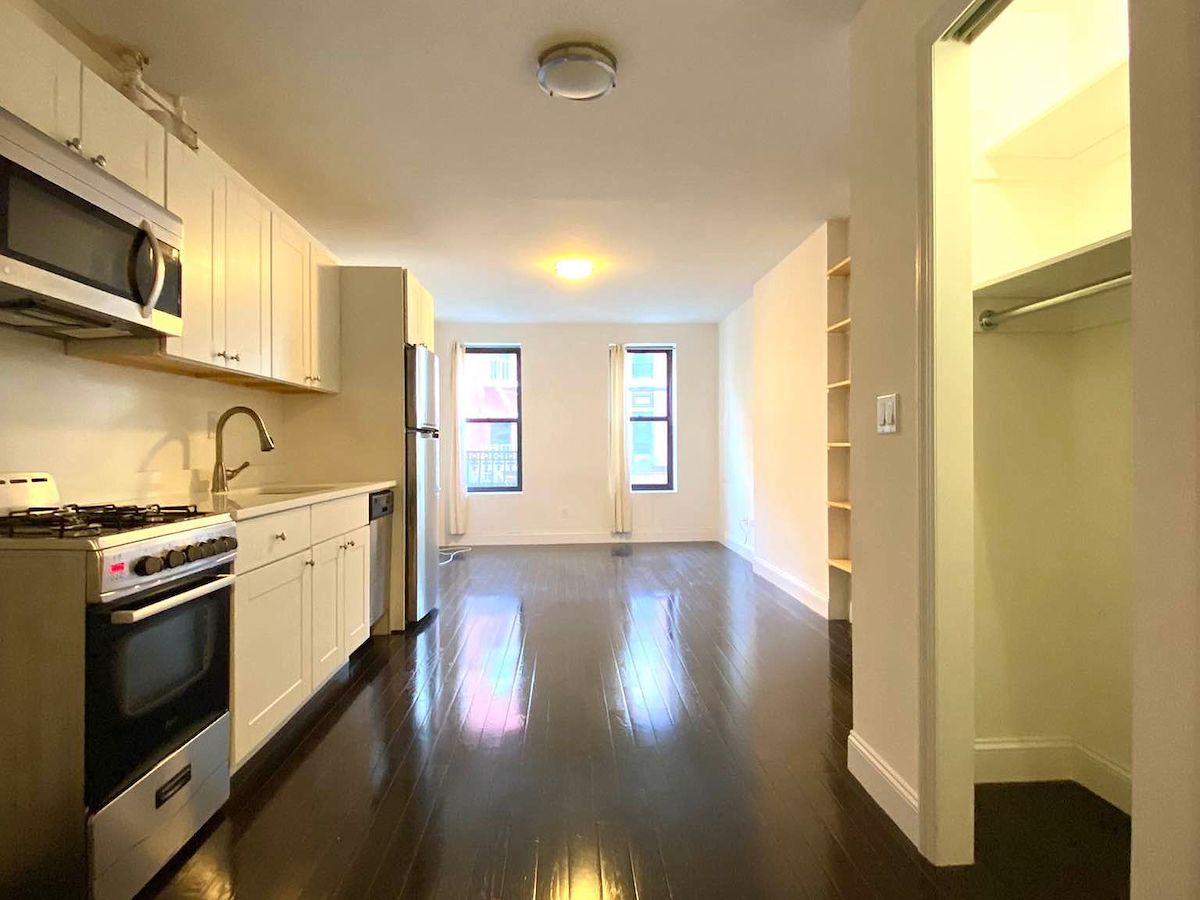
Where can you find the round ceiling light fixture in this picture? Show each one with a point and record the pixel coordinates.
(577, 71)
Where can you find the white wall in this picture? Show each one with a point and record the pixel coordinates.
(107, 432)
(774, 418)
(736, 338)
(1165, 94)
(1053, 610)
(790, 414)
(564, 373)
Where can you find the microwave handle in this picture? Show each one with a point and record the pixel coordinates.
(160, 271)
(132, 617)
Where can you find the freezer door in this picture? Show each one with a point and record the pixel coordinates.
(421, 396)
(421, 584)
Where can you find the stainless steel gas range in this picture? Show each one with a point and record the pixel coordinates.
(114, 691)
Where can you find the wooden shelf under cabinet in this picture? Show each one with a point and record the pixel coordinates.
(838, 384)
(839, 504)
(839, 445)
(841, 564)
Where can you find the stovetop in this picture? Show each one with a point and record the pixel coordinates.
(75, 521)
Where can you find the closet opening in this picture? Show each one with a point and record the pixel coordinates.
(1026, 730)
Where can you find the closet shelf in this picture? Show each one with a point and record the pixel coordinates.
(838, 384)
(841, 270)
(839, 504)
(842, 564)
(842, 327)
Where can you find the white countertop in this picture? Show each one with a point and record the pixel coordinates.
(264, 499)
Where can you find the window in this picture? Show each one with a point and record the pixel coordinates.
(650, 401)
(492, 413)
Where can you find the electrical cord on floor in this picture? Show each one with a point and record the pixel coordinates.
(451, 553)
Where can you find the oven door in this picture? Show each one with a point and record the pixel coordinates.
(69, 266)
(157, 675)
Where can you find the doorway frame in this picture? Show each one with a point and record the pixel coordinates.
(946, 630)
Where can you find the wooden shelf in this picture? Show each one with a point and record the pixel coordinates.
(841, 270)
(838, 384)
(842, 564)
(839, 504)
(842, 327)
(840, 445)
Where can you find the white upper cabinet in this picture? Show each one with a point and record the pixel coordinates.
(247, 262)
(289, 300)
(324, 326)
(39, 78)
(121, 138)
(418, 313)
(196, 193)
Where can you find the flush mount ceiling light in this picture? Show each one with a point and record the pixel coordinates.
(577, 71)
(573, 269)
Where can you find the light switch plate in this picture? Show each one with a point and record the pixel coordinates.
(887, 413)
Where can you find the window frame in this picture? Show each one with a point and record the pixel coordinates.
(506, 350)
(669, 418)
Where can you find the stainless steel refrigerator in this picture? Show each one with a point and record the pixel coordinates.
(421, 481)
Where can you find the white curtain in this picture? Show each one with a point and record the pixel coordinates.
(456, 503)
(618, 455)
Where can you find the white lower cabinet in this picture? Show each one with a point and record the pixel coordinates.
(296, 619)
(356, 581)
(271, 653)
(329, 636)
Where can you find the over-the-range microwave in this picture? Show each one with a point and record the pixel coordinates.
(82, 255)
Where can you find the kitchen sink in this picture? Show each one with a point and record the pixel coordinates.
(291, 490)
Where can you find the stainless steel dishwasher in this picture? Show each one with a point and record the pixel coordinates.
(381, 506)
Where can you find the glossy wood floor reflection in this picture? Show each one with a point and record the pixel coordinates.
(579, 724)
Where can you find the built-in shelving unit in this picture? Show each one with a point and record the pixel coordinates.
(842, 327)
(839, 384)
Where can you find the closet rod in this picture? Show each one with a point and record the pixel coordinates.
(989, 319)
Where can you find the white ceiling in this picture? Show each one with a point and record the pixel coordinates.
(413, 132)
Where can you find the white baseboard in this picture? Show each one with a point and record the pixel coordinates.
(1025, 759)
(797, 589)
(885, 786)
(541, 538)
(745, 551)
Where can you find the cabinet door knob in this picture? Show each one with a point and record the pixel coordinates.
(221, 354)
(74, 143)
(282, 536)
(236, 357)
(99, 160)
(309, 562)
(317, 379)
(352, 544)
(307, 378)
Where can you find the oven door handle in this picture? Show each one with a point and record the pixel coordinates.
(133, 616)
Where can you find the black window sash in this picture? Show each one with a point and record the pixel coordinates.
(470, 420)
(669, 354)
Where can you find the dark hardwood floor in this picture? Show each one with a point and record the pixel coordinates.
(578, 724)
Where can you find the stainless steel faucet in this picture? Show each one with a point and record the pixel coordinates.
(221, 475)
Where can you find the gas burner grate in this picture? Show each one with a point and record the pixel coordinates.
(91, 520)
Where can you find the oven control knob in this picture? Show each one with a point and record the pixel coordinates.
(176, 558)
(227, 544)
(205, 549)
(148, 565)
(193, 552)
